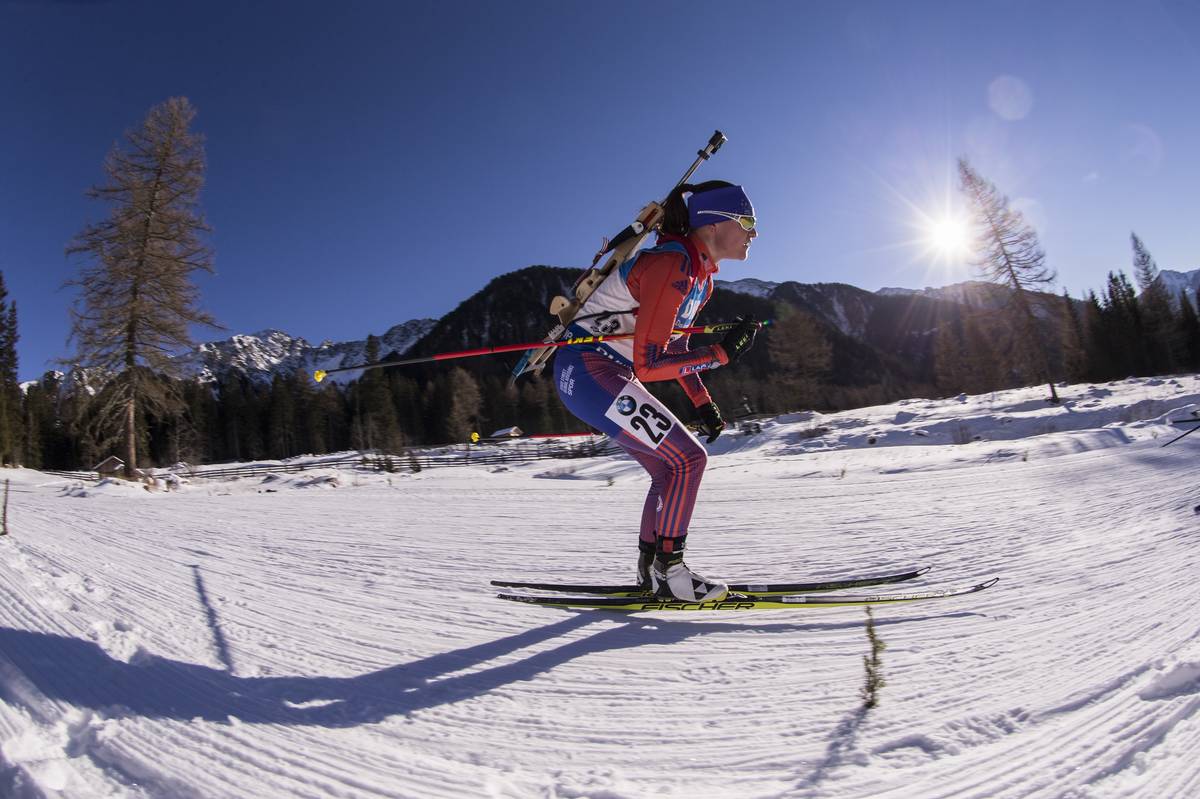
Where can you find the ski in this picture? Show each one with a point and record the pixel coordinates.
(741, 601)
(758, 589)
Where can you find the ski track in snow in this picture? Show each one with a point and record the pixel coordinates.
(343, 642)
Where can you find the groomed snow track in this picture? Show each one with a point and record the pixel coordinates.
(229, 641)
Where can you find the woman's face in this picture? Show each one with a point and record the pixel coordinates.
(731, 242)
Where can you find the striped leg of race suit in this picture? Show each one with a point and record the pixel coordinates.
(605, 394)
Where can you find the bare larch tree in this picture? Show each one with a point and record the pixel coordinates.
(136, 296)
(1009, 254)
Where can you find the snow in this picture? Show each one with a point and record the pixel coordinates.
(269, 352)
(749, 285)
(843, 321)
(1177, 283)
(332, 632)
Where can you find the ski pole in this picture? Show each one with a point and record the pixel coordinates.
(320, 374)
(1186, 433)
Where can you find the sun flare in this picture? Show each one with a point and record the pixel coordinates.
(949, 236)
(937, 233)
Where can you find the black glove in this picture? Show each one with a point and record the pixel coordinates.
(711, 423)
(740, 339)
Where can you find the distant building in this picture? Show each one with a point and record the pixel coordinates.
(508, 432)
(112, 466)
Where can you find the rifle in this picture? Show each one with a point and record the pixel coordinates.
(621, 247)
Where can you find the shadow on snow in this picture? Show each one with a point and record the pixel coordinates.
(81, 673)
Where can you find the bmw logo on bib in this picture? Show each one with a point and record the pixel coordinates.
(626, 405)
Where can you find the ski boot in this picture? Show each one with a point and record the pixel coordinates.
(646, 552)
(671, 579)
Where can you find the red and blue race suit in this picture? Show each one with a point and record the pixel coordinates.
(650, 295)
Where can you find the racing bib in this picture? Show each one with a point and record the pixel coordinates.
(638, 413)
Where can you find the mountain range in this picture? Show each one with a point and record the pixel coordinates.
(885, 332)
(1180, 282)
(262, 355)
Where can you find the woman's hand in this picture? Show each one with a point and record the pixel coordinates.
(740, 339)
(711, 423)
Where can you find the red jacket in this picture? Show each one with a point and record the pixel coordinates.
(670, 290)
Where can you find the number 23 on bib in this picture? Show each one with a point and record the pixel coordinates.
(638, 413)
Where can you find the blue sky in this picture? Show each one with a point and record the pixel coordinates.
(373, 162)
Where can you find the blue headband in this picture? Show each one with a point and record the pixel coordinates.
(730, 199)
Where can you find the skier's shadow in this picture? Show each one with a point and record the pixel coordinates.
(81, 673)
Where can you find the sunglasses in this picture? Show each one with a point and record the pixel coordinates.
(747, 222)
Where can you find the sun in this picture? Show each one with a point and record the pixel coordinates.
(948, 236)
(936, 231)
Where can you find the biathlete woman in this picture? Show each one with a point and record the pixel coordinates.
(650, 295)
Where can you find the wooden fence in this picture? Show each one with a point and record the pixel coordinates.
(71, 475)
(408, 460)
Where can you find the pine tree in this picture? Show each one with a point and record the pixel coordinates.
(47, 444)
(950, 358)
(281, 420)
(1097, 340)
(164, 433)
(800, 353)
(1122, 320)
(1011, 256)
(406, 395)
(535, 414)
(1158, 320)
(463, 409)
(254, 419)
(375, 424)
(335, 411)
(1188, 328)
(137, 298)
(34, 406)
(502, 403)
(300, 389)
(11, 417)
(984, 368)
(200, 441)
(1075, 356)
(231, 416)
(69, 393)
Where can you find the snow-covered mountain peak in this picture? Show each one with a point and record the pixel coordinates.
(955, 292)
(748, 285)
(28, 384)
(400, 338)
(1177, 283)
(269, 352)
